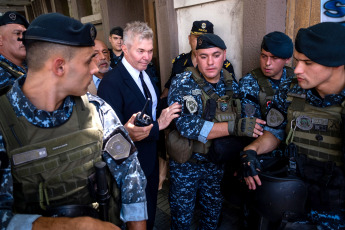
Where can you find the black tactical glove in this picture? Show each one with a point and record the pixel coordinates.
(250, 164)
(246, 126)
(242, 127)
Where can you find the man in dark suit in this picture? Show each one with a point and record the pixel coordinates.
(126, 88)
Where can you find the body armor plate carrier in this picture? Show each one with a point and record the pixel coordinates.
(266, 91)
(315, 131)
(228, 108)
(52, 166)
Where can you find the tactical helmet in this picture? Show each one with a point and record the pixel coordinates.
(279, 196)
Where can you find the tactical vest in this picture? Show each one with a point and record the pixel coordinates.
(266, 91)
(227, 109)
(315, 131)
(51, 166)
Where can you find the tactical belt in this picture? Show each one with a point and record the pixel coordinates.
(196, 161)
(71, 211)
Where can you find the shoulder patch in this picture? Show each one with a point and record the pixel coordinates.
(227, 64)
(178, 57)
(191, 104)
(249, 110)
(274, 118)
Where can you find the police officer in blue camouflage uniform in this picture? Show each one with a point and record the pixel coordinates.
(199, 175)
(310, 116)
(12, 51)
(52, 135)
(184, 60)
(258, 86)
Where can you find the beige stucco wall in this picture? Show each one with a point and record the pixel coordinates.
(167, 34)
(259, 18)
(227, 18)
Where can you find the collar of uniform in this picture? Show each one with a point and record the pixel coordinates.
(219, 85)
(331, 99)
(18, 68)
(23, 107)
(189, 60)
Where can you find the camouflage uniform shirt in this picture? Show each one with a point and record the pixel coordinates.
(249, 91)
(114, 60)
(7, 78)
(128, 175)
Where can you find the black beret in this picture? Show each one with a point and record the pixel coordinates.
(278, 43)
(12, 17)
(206, 41)
(117, 31)
(57, 28)
(202, 27)
(323, 43)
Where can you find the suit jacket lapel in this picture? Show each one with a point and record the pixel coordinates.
(133, 86)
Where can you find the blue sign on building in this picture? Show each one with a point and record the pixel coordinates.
(333, 11)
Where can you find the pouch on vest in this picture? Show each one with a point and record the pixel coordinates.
(226, 148)
(180, 148)
(326, 184)
(210, 109)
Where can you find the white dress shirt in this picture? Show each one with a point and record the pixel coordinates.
(135, 75)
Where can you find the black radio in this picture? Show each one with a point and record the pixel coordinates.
(143, 119)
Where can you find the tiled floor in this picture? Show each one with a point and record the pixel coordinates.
(229, 218)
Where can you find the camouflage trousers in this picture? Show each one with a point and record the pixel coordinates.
(192, 180)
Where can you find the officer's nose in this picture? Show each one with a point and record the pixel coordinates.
(210, 61)
(298, 68)
(268, 61)
(93, 67)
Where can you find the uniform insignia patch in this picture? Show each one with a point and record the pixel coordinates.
(223, 106)
(93, 33)
(227, 64)
(118, 147)
(320, 124)
(274, 118)
(12, 16)
(203, 25)
(28, 156)
(196, 92)
(191, 104)
(249, 110)
(304, 123)
(199, 42)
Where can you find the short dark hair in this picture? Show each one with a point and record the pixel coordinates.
(117, 30)
(44, 50)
